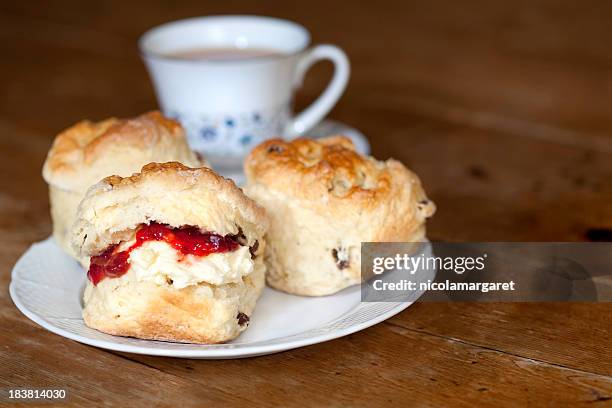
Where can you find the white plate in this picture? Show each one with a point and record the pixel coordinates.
(47, 286)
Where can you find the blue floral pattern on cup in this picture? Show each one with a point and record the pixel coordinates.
(231, 134)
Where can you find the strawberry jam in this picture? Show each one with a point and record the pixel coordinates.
(186, 240)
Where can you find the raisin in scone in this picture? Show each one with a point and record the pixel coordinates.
(87, 152)
(175, 254)
(323, 200)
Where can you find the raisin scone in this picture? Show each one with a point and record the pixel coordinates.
(87, 152)
(175, 254)
(323, 200)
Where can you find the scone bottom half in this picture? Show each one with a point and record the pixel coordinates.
(163, 280)
(324, 199)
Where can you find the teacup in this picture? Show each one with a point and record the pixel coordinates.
(229, 103)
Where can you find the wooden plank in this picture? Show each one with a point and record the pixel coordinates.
(566, 334)
(491, 186)
(390, 365)
(32, 357)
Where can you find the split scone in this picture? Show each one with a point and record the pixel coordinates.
(87, 152)
(323, 200)
(175, 254)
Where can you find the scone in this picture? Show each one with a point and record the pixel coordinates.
(323, 200)
(87, 152)
(176, 254)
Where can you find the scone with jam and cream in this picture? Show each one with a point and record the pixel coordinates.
(176, 254)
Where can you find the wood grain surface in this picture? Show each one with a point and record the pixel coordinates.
(504, 110)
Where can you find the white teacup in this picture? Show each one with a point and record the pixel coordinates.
(228, 105)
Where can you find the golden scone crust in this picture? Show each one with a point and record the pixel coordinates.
(169, 193)
(87, 152)
(324, 199)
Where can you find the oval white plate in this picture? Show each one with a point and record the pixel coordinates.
(47, 286)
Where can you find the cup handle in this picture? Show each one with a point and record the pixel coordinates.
(314, 113)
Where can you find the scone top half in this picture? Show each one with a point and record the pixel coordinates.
(168, 193)
(324, 199)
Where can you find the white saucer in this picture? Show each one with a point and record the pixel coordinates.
(325, 128)
(47, 286)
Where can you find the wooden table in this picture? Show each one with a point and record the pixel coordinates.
(503, 108)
